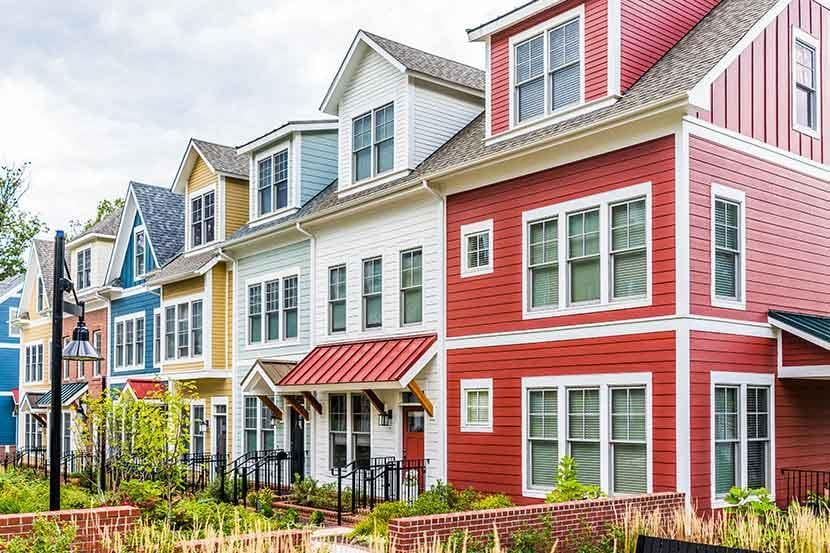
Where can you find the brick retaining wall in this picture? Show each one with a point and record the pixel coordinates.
(568, 520)
(279, 540)
(93, 525)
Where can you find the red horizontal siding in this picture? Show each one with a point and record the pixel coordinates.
(596, 57)
(493, 302)
(753, 96)
(649, 28)
(788, 247)
(471, 461)
(796, 352)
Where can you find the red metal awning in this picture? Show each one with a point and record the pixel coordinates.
(145, 389)
(390, 362)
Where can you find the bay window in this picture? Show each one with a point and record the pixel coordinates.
(373, 143)
(266, 310)
(202, 219)
(337, 299)
(373, 293)
(411, 286)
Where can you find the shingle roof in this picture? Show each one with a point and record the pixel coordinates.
(9, 284)
(107, 226)
(45, 250)
(163, 213)
(814, 325)
(430, 64)
(182, 265)
(223, 158)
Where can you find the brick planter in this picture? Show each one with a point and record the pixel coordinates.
(93, 525)
(330, 517)
(568, 520)
(279, 540)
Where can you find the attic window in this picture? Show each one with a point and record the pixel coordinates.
(272, 183)
(806, 109)
(202, 211)
(140, 253)
(373, 143)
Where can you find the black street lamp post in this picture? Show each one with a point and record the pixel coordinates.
(78, 349)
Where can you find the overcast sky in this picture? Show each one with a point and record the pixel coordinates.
(95, 94)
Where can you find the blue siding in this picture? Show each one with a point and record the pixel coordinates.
(8, 423)
(146, 302)
(318, 166)
(9, 368)
(5, 308)
(127, 269)
(9, 373)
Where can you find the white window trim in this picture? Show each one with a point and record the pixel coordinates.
(476, 384)
(345, 299)
(373, 175)
(25, 349)
(741, 380)
(543, 28)
(363, 261)
(739, 197)
(605, 382)
(471, 229)
(215, 401)
(800, 35)
(97, 366)
(158, 327)
(401, 252)
(349, 426)
(123, 319)
(604, 201)
(189, 235)
(136, 231)
(285, 146)
(14, 332)
(175, 303)
(198, 403)
(281, 276)
(78, 255)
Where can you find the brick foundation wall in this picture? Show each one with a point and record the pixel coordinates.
(568, 520)
(93, 525)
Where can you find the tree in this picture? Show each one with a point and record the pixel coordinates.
(104, 209)
(17, 226)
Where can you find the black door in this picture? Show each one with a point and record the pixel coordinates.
(297, 437)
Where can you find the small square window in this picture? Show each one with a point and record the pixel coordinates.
(477, 248)
(477, 405)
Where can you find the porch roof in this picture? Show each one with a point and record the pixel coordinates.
(389, 363)
(813, 328)
(70, 392)
(142, 388)
(265, 374)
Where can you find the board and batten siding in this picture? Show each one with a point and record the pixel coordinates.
(753, 96)
(375, 83)
(494, 302)
(318, 163)
(438, 116)
(236, 204)
(788, 248)
(596, 57)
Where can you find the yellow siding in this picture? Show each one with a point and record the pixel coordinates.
(184, 288)
(236, 204)
(33, 334)
(186, 366)
(210, 388)
(200, 177)
(220, 327)
(229, 311)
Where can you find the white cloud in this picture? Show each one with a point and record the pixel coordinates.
(97, 94)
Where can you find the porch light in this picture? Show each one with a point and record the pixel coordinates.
(203, 427)
(274, 421)
(385, 418)
(80, 349)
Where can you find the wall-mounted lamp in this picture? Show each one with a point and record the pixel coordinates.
(385, 418)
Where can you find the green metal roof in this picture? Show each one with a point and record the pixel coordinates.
(815, 326)
(68, 391)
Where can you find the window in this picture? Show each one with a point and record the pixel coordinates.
(41, 295)
(13, 330)
(202, 219)
(129, 341)
(170, 332)
(373, 293)
(543, 437)
(67, 432)
(411, 287)
(259, 428)
(139, 341)
(373, 143)
(267, 428)
(338, 430)
(255, 314)
(806, 105)
(33, 433)
(350, 425)
(728, 246)
(34, 363)
(477, 248)
(83, 278)
(584, 434)
(554, 50)
(289, 298)
(272, 310)
(272, 185)
(604, 261)
(196, 327)
(271, 318)
(361, 429)
(628, 440)
(157, 338)
(584, 256)
(197, 432)
(251, 410)
(742, 421)
(98, 344)
(119, 344)
(65, 361)
(183, 330)
(477, 405)
(140, 253)
(337, 299)
(628, 249)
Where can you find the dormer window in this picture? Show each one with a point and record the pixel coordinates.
(83, 279)
(41, 295)
(547, 70)
(202, 214)
(272, 183)
(373, 143)
(140, 253)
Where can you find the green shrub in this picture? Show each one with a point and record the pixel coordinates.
(310, 493)
(495, 501)
(23, 491)
(568, 487)
(147, 495)
(376, 522)
(317, 518)
(750, 501)
(262, 501)
(190, 514)
(46, 537)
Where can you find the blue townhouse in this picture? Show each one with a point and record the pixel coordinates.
(151, 234)
(10, 291)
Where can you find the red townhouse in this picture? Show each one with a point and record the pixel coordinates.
(637, 249)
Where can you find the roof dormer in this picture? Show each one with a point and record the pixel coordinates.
(89, 253)
(214, 182)
(289, 166)
(395, 106)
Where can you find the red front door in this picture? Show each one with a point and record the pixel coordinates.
(413, 433)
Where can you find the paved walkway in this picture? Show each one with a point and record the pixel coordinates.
(326, 539)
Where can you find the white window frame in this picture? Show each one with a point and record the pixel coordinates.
(605, 383)
(32, 432)
(800, 35)
(741, 381)
(97, 343)
(122, 320)
(280, 277)
(189, 300)
(14, 332)
(473, 229)
(41, 295)
(204, 435)
(719, 191)
(136, 231)
(200, 195)
(330, 301)
(561, 211)
(272, 185)
(543, 29)
(349, 426)
(402, 290)
(476, 385)
(372, 114)
(31, 369)
(158, 342)
(87, 268)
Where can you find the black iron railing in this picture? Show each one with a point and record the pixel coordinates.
(255, 470)
(33, 458)
(78, 464)
(201, 470)
(378, 480)
(807, 486)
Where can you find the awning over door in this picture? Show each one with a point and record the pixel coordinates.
(264, 376)
(142, 388)
(70, 393)
(804, 345)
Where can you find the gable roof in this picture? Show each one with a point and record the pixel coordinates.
(162, 212)
(184, 266)
(404, 58)
(813, 328)
(10, 285)
(108, 226)
(223, 159)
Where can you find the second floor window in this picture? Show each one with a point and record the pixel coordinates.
(583, 256)
(34, 363)
(97, 343)
(84, 268)
(157, 338)
(289, 304)
(373, 143)
(140, 253)
(337, 299)
(727, 249)
(373, 293)
(628, 249)
(183, 330)
(544, 263)
(272, 317)
(13, 330)
(806, 83)
(129, 342)
(202, 219)
(411, 286)
(272, 183)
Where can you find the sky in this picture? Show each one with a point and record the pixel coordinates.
(95, 94)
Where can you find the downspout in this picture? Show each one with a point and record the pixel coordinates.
(311, 323)
(236, 419)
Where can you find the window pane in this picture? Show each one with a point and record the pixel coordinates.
(196, 326)
(585, 280)
(757, 463)
(586, 458)
(544, 460)
(373, 309)
(726, 274)
(530, 98)
(725, 459)
(544, 286)
(630, 468)
(264, 184)
(272, 306)
(338, 316)
(412, 306)
(564, 44)
(566, 86)
(630, 274)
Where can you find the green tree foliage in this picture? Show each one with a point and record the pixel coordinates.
(568, 487)
(104, 209)
(17, 226)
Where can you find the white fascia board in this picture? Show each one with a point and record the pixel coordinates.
(284, 131)
(509, 19)
(80, 241)
(799, 333)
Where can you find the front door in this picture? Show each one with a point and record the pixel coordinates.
(413, 433)
(220, 432)
(297, 439)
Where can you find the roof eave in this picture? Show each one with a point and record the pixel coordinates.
(509, 19)
(283, 131)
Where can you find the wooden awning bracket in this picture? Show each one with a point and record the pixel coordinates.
(40, 418)
(375, 400)
(294, 404)
(269, 403)
(309, 397)
(422, 397)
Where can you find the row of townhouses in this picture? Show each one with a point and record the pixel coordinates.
(611, 243)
